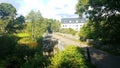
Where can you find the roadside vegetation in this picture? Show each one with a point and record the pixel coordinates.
(21, 41)
(68, 31)
(70, 57)
(21, 37)
(103, 24)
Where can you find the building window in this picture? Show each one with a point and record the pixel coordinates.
(70, 21)
(76, 21)
(64, 21)
(73, 21)
(76, 25)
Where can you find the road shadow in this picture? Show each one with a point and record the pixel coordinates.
(104, 60)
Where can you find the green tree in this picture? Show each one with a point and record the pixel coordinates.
(36, 25)
(7, 14)
(55, 25)
(19, 23)
(7, 10)
(104, 17)
(31, 18)
(21, 19)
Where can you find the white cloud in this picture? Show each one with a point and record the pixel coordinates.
(49, 8)
(57, 7)
(28, 5)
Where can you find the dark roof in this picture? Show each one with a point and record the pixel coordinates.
(71, 20)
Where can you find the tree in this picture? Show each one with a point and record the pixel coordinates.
(55, 25)
(31, 18)
(21, 19)
(52, 25)
(104, 17)
(19, 23)
(7, 10)
(35, 24)
(7, 14)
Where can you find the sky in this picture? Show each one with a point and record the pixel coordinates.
(55, 9)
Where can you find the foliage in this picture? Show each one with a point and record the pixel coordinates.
(38, 60)
(68, 31)
(35, 25)
(7, 10)
(7, 14)
(21, 39)
(19, 23)
(22, 34)
(104, 18)
(9, 23)
(88, 31)
(7, 46)
(15, 55)
(103, 22)
(81, 6)
(55, 25)
(71, 57)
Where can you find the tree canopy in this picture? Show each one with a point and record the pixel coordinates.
(7, 10)
(103, 24)
(7, 15)
(104, 17)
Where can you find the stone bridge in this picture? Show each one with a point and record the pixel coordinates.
(51, 45)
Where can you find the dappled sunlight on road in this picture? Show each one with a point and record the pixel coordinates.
(104, 60)
(98, 57)
(66, 41)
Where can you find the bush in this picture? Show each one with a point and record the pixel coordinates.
(68, 31)
(12, 54)
(71, 57)
(7, 45)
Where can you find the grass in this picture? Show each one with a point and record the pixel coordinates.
(22, 35)
(25, 40)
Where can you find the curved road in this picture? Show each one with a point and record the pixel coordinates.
(100, 58)
(67, 41)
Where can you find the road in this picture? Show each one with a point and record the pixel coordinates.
(67, 41)
(103, 59)
(98, 57)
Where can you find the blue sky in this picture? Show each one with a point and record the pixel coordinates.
(55, 9)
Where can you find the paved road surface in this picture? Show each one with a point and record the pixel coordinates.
(100, 58)
(67, 41)
(104, 60)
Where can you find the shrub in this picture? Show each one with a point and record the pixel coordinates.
(68, 31)
(22, 35)
(7, 45)
(71, 57)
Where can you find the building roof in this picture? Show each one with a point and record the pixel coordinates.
(71, 20)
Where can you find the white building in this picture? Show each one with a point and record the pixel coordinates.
(74, 23)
